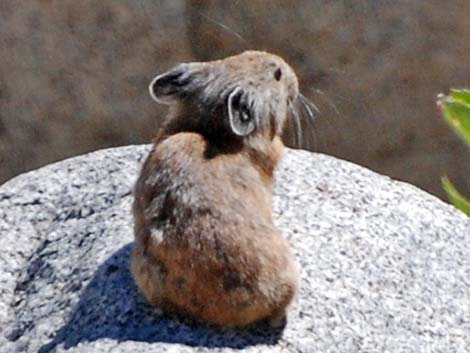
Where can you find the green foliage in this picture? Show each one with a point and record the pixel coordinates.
(456, 111)
(459, 201)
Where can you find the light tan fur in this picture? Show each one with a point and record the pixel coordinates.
(205, 243)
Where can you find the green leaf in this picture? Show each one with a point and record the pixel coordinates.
(456, 110)
(459, 201)
(461, 95)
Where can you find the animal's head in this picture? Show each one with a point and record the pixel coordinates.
(251, 92)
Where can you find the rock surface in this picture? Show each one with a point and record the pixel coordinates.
(385, 266)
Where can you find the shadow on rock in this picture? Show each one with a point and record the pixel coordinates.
(111, 307)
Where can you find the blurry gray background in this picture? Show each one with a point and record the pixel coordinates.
(74, 74)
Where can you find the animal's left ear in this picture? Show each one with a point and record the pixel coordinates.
(165, 88)
(241, 116)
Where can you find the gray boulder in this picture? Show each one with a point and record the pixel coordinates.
(385, 266)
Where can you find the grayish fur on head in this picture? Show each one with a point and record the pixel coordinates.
(252, 90)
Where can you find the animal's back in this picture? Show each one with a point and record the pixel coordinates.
(214, 255)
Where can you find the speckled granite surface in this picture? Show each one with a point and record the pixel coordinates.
(385, 266)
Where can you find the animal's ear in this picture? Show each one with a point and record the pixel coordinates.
(172, 84)
(241, 116)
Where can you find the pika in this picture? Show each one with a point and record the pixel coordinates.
(205, 242)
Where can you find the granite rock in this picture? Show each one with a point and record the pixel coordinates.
(385, 267)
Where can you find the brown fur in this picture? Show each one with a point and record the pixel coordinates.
(205, 242)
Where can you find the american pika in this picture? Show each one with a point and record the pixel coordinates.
(205, 242)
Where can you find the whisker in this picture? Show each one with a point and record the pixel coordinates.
(328, 100)
(291, 132)
(332, 124)
(311, 122)
(305, 104)
(225, 27)
(309, 102)
(309, 106)
(298, 126)
(297, 132)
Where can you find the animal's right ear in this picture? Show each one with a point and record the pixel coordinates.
(165, 88)
(241, 115)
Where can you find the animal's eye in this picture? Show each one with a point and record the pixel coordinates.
(277, 74)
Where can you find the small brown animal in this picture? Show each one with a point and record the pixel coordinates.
(205, 243)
